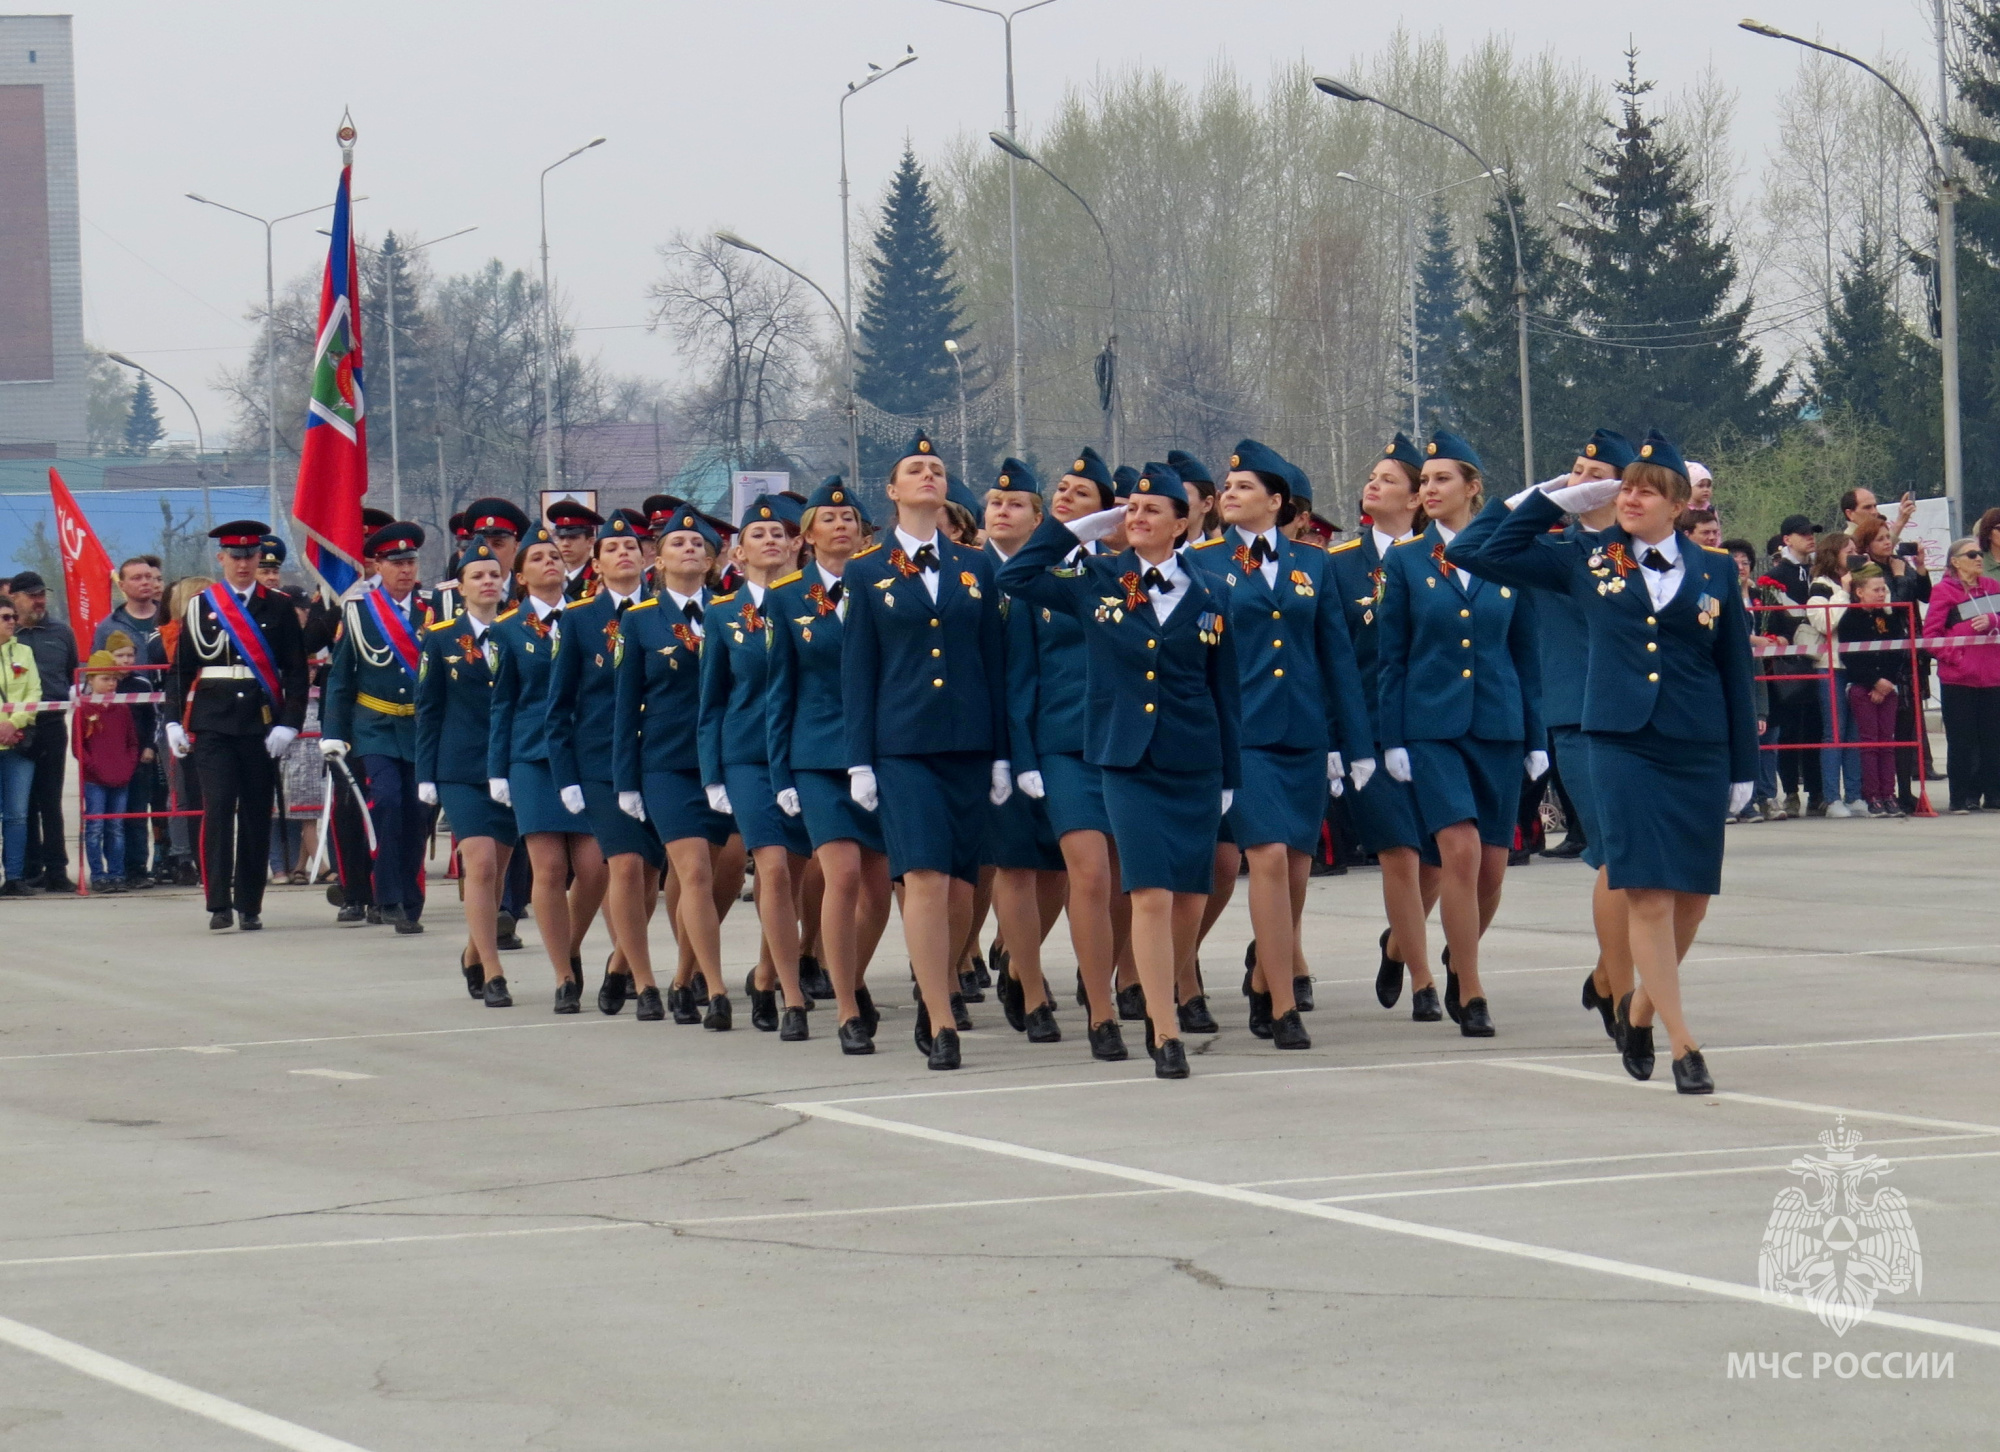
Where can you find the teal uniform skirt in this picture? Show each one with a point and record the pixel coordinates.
(1572, 752)
(758, 817)
(678, 808)
(1020, 835)
(1660, 805)
(1468, 780)
(1075, 797)
(472, 812)
(1283, 799)
(1164, 821)
(537, 805)
(831, 813)
(933, 811)
(1385, 814)
(615, 832)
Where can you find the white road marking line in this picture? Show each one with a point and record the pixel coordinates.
(322, 1244)
(262, 1425)
(328, 1074)
(1915, 1121)
(1696, 962)
(489, 1028)
(1464, 1239)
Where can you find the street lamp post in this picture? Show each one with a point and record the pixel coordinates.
(200, 448)
(1343, 92)
(730, 239)
(1006, 19)
(549, 317)
(855, 88)
(1945, 181)
(270, 346)
(1107, 381)
(964, 425)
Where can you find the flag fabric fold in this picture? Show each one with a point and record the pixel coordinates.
(333, 461)
(86, 567)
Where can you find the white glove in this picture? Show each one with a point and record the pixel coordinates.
(572, 800)
(177, 739)
(1228, 799)
(1031, 783)
(1099, 525)
(1584, 497)
(1334, 770)
(718, 799)
(1547, 486)
(1003, 784)
(277, 739)
(497, 788)
(789, 803)
(330, 748)
(1362, 772)
(1740, 793)
(427, 793)
(632, 805)
(861, 786)
(1396, 761)
(1537, 763)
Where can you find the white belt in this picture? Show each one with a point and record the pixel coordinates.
(227, 673)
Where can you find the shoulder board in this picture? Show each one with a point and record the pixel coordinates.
(1309, 544)
(795, 575)
(722, 599)
(509, 615)
(1413, 539)
(1715, 549)
(1353, 544)
(446, 623)
(1208, 543)
(645, 604)
(859, 554)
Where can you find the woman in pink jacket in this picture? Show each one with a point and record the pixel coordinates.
(1969, 677)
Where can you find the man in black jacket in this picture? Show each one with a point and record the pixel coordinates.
(236, 699)
(54, 646)
(1795, 704)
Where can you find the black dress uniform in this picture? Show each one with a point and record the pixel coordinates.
(569, 519)
(221, 699)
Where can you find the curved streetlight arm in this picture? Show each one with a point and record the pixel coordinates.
(1005, 16)
(743, 244)
(200, 445)
(1772, 32)
(1021, 153)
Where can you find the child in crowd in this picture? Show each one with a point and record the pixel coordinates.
(1878, 676)
(107, 746)
(139, 832)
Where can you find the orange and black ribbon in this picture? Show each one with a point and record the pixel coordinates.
(1135, 589)
(1445, 566)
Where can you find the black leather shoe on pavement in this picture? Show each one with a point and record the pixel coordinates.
(1132, 1003)
(969, 989)
(855, 1039)
(680, 1004)
(1302, 992)
(223, 919)
(960, 1019)
(1288, 1031)
(719, 1017)
(1635, 1047)
(1260, 1015)
(1195, 1017)
(354, 912)
(1388, 976)
(871, 1016)
(944, 1052)
(1603, 1004)
(793, 1027)
(250, 922)
(569, 996)
(1691, 1074)
(1042, 1027)
(496, 994)
(1424, 1005)
(1474, 1021)
(1170, 1060)
(1107, 1041)
(650, 1009)
(612, 992)
(763, 1004)
(925, 1040)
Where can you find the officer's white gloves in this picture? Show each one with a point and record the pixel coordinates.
(177, 739)
(1396, 761)
(330, 748)
(789, 803)
(1362, 772)
(1547, 486)
(718, 799)
(572, 800)
(497, 788)
(1228, 799)
(1100, 525)
(1739, 795)
(1334, 772)
(1537, 763)
(633, 805)
(427, 793)
(1582, 498)
(1003, 783)
(1031, 783)
(861, 786)
(278, 738)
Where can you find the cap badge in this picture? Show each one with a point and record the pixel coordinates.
(1645, 451)
(923, 446)
(1081, 466)
(1235, 461)
(1431, 448)
(1590, 451)
(838, 496)
(1145, 485)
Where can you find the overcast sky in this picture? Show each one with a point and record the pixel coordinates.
(718, 113)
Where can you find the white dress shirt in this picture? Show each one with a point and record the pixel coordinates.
(1268, 569)
(1661, 584)
(1457, 572)
(910, 545)
(1385, 542)
(544, 611)
(681, 603)
(1166, 596)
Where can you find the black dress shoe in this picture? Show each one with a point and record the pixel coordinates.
(1602, 1003)
(1260, 1015)
(409, 926)
(353, 913)
(981, 973)
(793, 1026)
(1170, 1062)
(944, 1052)
(1388, 976)
(1572, 846)
(718, 1016)
(1519, 857)
(223, 919)
(576, 972)
(969, 989)
(871, 1017)
(612, 992)
(680, 1003)
(1288, 1031)
(1635, 1045)
(763, 1004)
(998, 957)
(475, 976)
(1302, 992)
(1132, 1003)
(58, 882)
(1013, 1000)
(496, 994)
(1107, 1041)
(1042, 1026)
(373, 916)
(1474, 1021)
(700, 989)
(925, 1039)
(569, 996)
(855, 1038)
(249, 922)
(960, 1019)
(1691, 1074)
(814, 981)
(650, 1009)
(1451, 1003)
(1195, 1017)
(1424, 1005)
(508, 942)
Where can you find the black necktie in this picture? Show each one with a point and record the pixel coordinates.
(1261, 551)
(1658, 563)
(1154, 580)
(926, 558)
(693, 612)
(833, 592)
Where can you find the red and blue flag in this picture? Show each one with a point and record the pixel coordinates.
(333, 462)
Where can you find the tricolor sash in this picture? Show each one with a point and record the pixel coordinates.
(248, 637)
(395, 629)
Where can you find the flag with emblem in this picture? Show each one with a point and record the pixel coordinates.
(333, 462)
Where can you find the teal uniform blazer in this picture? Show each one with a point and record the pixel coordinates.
(366, 665)
(1565, 637)
(919, 678)
(518, 729)
(735, 668)
(1059, 707)
(1023, 674)
(1173, 689)
(1355, 572)
(583, 691)
(804, 729)
(1684, 668)
(1453, 663)
(454, 706)
(1301, 687)
(658, 696)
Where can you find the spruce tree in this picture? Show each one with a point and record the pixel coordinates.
(1440, 288)
(142, 426)
(1979, 253)
(1654, 287)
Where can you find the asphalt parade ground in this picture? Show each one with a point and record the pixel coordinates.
(297, 1189)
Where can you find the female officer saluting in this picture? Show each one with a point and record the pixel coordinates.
(924, 689)
(1460, 676)
(1668, 709)
(1164, 717)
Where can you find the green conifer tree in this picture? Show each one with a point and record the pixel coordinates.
(1440, 301)
(142, 425)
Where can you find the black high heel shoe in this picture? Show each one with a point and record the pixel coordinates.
(1007, 988)
(1260, 1015)
(1170, 1062)
(960, 1019)
(925, 1039)
(1302, 992)
(1388, 976)
(1476, 1022)
(1635, 1042)
(1691, 1074)
(1195, 1017)
(1131, 1003)
(1603, 1004)
(719, 1017)
(475, 976)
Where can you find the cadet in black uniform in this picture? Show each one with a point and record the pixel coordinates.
(236, 699)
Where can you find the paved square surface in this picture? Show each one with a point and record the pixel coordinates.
(298, 1190)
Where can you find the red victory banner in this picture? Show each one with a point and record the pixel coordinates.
(86, 567)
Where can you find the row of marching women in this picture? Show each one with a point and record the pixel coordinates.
(1103, 699)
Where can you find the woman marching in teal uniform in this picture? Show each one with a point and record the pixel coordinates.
(807, 746)
(454, 715)
(1460, 676)
(734, 741)
(1669, 710)
(655, 765)
(1303, 716)
(1164, 717)
(924, 693)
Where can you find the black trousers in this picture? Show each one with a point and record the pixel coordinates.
(351, 861)
(47, 852)
(519, 883)
(1972, 744)
(239, 784)
(1795, 711)
(147, 793)
(401, 825)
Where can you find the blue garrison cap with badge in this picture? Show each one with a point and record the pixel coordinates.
(1090, 465)
(479, 553)
(1262, 459)
(1122, 480)
(833, 491)
(919, 447)
(1403, 451)
(1191, 469)
(685, 520)
(1659, 449)
(1157, 481)
(1608, 446)
(1300, 486)
(784, 508)
(271, 553)
(397, 540)
(1445, 444)
(623, 524)
(1016, 477)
